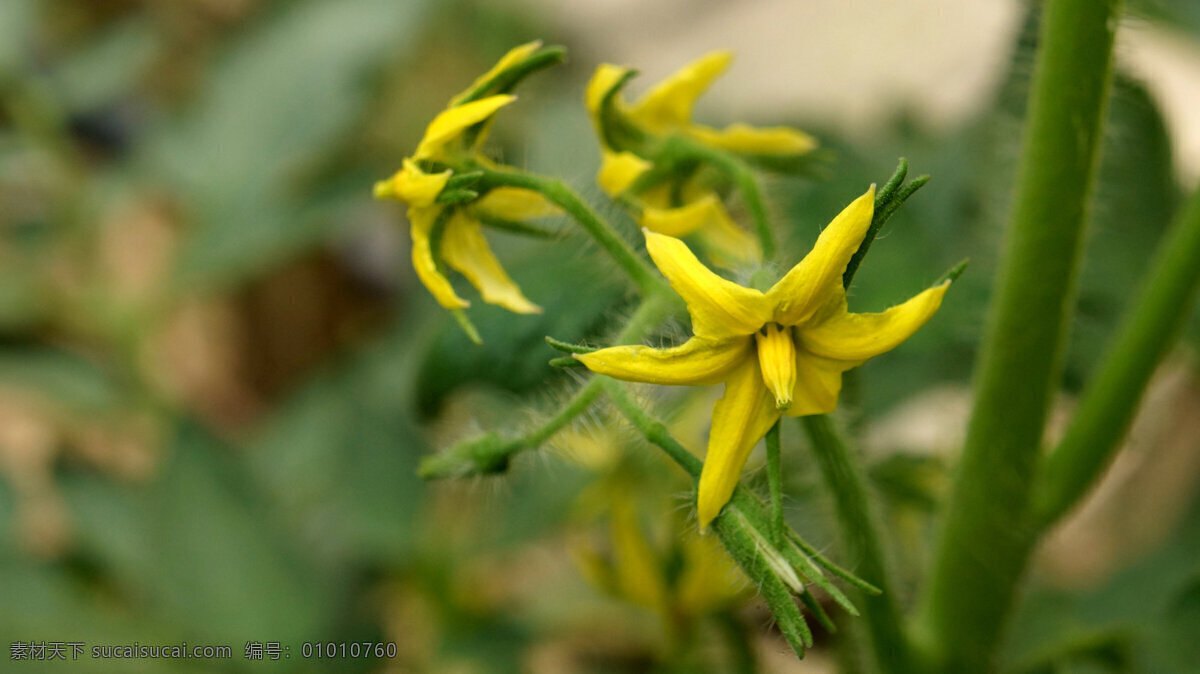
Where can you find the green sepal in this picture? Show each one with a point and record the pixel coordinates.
(618, 131)
(506, 80)
(448, 196)
(567, 347)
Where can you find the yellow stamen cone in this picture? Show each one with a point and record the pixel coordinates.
(777, 361)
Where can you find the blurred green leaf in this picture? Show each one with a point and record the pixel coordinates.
(340, 455)
(278, 97)
(69, 380)
(16, 19)
(1182, 14)
(1154, 604)
(101, 71)
(577, 293)
(197, 548)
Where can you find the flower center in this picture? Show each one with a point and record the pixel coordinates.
(777, 362)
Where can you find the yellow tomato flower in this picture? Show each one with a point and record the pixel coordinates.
(683, 205)
(778, 352)
(451, 232)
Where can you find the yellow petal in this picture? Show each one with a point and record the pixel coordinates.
(818, 277)
(740, 418)
(696, 361)
(684, 220)
(412, 185)
(420, 224)
(818, 383)
(515, 203)
(669, 104)
(719, 308)
(512, 58)
(774, 140)
(710, 579)
(850, 336)
(465, 249)
(777, 362)
(450, 123)
(618, 170)
(639, 573)
(606, 77)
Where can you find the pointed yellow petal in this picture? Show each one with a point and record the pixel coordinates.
(818, 277)
(512, 58)
(726, 244)
(740, 418)
(618, 170)
(850, 336)
(774, 140)
(777, 362)
(685, 219)
(412, 185)
(451, 122)
(719, 308)
(514, 203)
(669, 104)
(420, 223)
(638, 571)
(603, 80)
(465, 249)
(696, 361)
(818, 383)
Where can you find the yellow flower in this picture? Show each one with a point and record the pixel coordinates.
(686, 204)
(778, 352)
(451, 232)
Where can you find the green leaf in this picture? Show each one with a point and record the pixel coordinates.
(197, 548)
(279, 97)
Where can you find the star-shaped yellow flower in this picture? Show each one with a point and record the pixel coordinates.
(778, 352)
(452, 140)
(686, 204)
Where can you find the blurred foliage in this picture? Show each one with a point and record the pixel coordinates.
(217, 372)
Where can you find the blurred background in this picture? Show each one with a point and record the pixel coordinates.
(218, 371)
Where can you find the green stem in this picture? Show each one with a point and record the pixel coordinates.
(643, 275)
(491, 453)
(1111, 399)
(775, 484)
(652, 429)
(743, 178)
(861, 538)
(986, 537)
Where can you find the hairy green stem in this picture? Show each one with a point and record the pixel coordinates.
(491, 453)
(986, 537)
(743, 178)
(775, 483)
(1112, 397)
(860, 536)
(643, 275)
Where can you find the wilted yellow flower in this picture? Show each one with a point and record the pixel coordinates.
(682, 201)
(449, 230)
(778, 352)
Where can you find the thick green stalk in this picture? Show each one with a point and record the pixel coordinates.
(986, 537)
(860, 536)
(643, 275)
(1111, 399)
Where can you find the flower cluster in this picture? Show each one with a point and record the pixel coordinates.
(777, 352)
(671, 170)
(436, 182)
